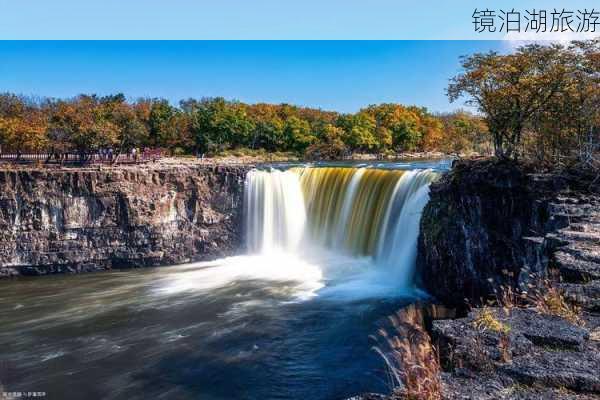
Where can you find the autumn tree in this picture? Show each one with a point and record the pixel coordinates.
(580, 102)
(510, 89)
(22, 125)
(463, 132)
(330, 145)
(268, 127)
(403, 128)
(87, 123)
(432, 132)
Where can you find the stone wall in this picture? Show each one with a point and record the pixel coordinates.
(84, 219)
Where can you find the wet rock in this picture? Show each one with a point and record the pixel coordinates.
(546, 330)
(491, 224)
(574, 269)
(526, 327)
(373, 396)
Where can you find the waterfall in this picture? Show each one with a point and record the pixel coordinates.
(360, 212)
(275, 212)
(397, 246)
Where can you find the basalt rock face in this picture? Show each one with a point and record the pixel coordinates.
(74, 220)
(484, 227)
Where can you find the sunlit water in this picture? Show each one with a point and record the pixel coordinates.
(289, 322)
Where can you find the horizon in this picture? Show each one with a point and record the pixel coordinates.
(336, 76)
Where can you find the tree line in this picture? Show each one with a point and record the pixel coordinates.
(541, 101)
(87, 123)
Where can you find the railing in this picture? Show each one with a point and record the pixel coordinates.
(78, 158)
(23, 156)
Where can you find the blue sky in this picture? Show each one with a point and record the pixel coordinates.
(334, 75)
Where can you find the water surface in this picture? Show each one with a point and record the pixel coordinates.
(202, 331)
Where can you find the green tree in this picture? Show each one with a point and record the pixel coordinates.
(298, 134)
(359, 131)
(218, 124)
(159, 120)
(130, 130)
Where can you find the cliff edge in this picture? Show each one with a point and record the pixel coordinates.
(86, 219)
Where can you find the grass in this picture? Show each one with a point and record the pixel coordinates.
(411, 359)
(550, 300)
(544, 297)
(485, 320)
(508, 298)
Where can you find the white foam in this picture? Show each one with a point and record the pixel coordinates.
(305, 278)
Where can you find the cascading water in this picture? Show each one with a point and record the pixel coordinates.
(275, 215)
(360, 212)
(397, 246)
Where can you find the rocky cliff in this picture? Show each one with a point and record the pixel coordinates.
(484, 227)
(82, 219)
(491, 224)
